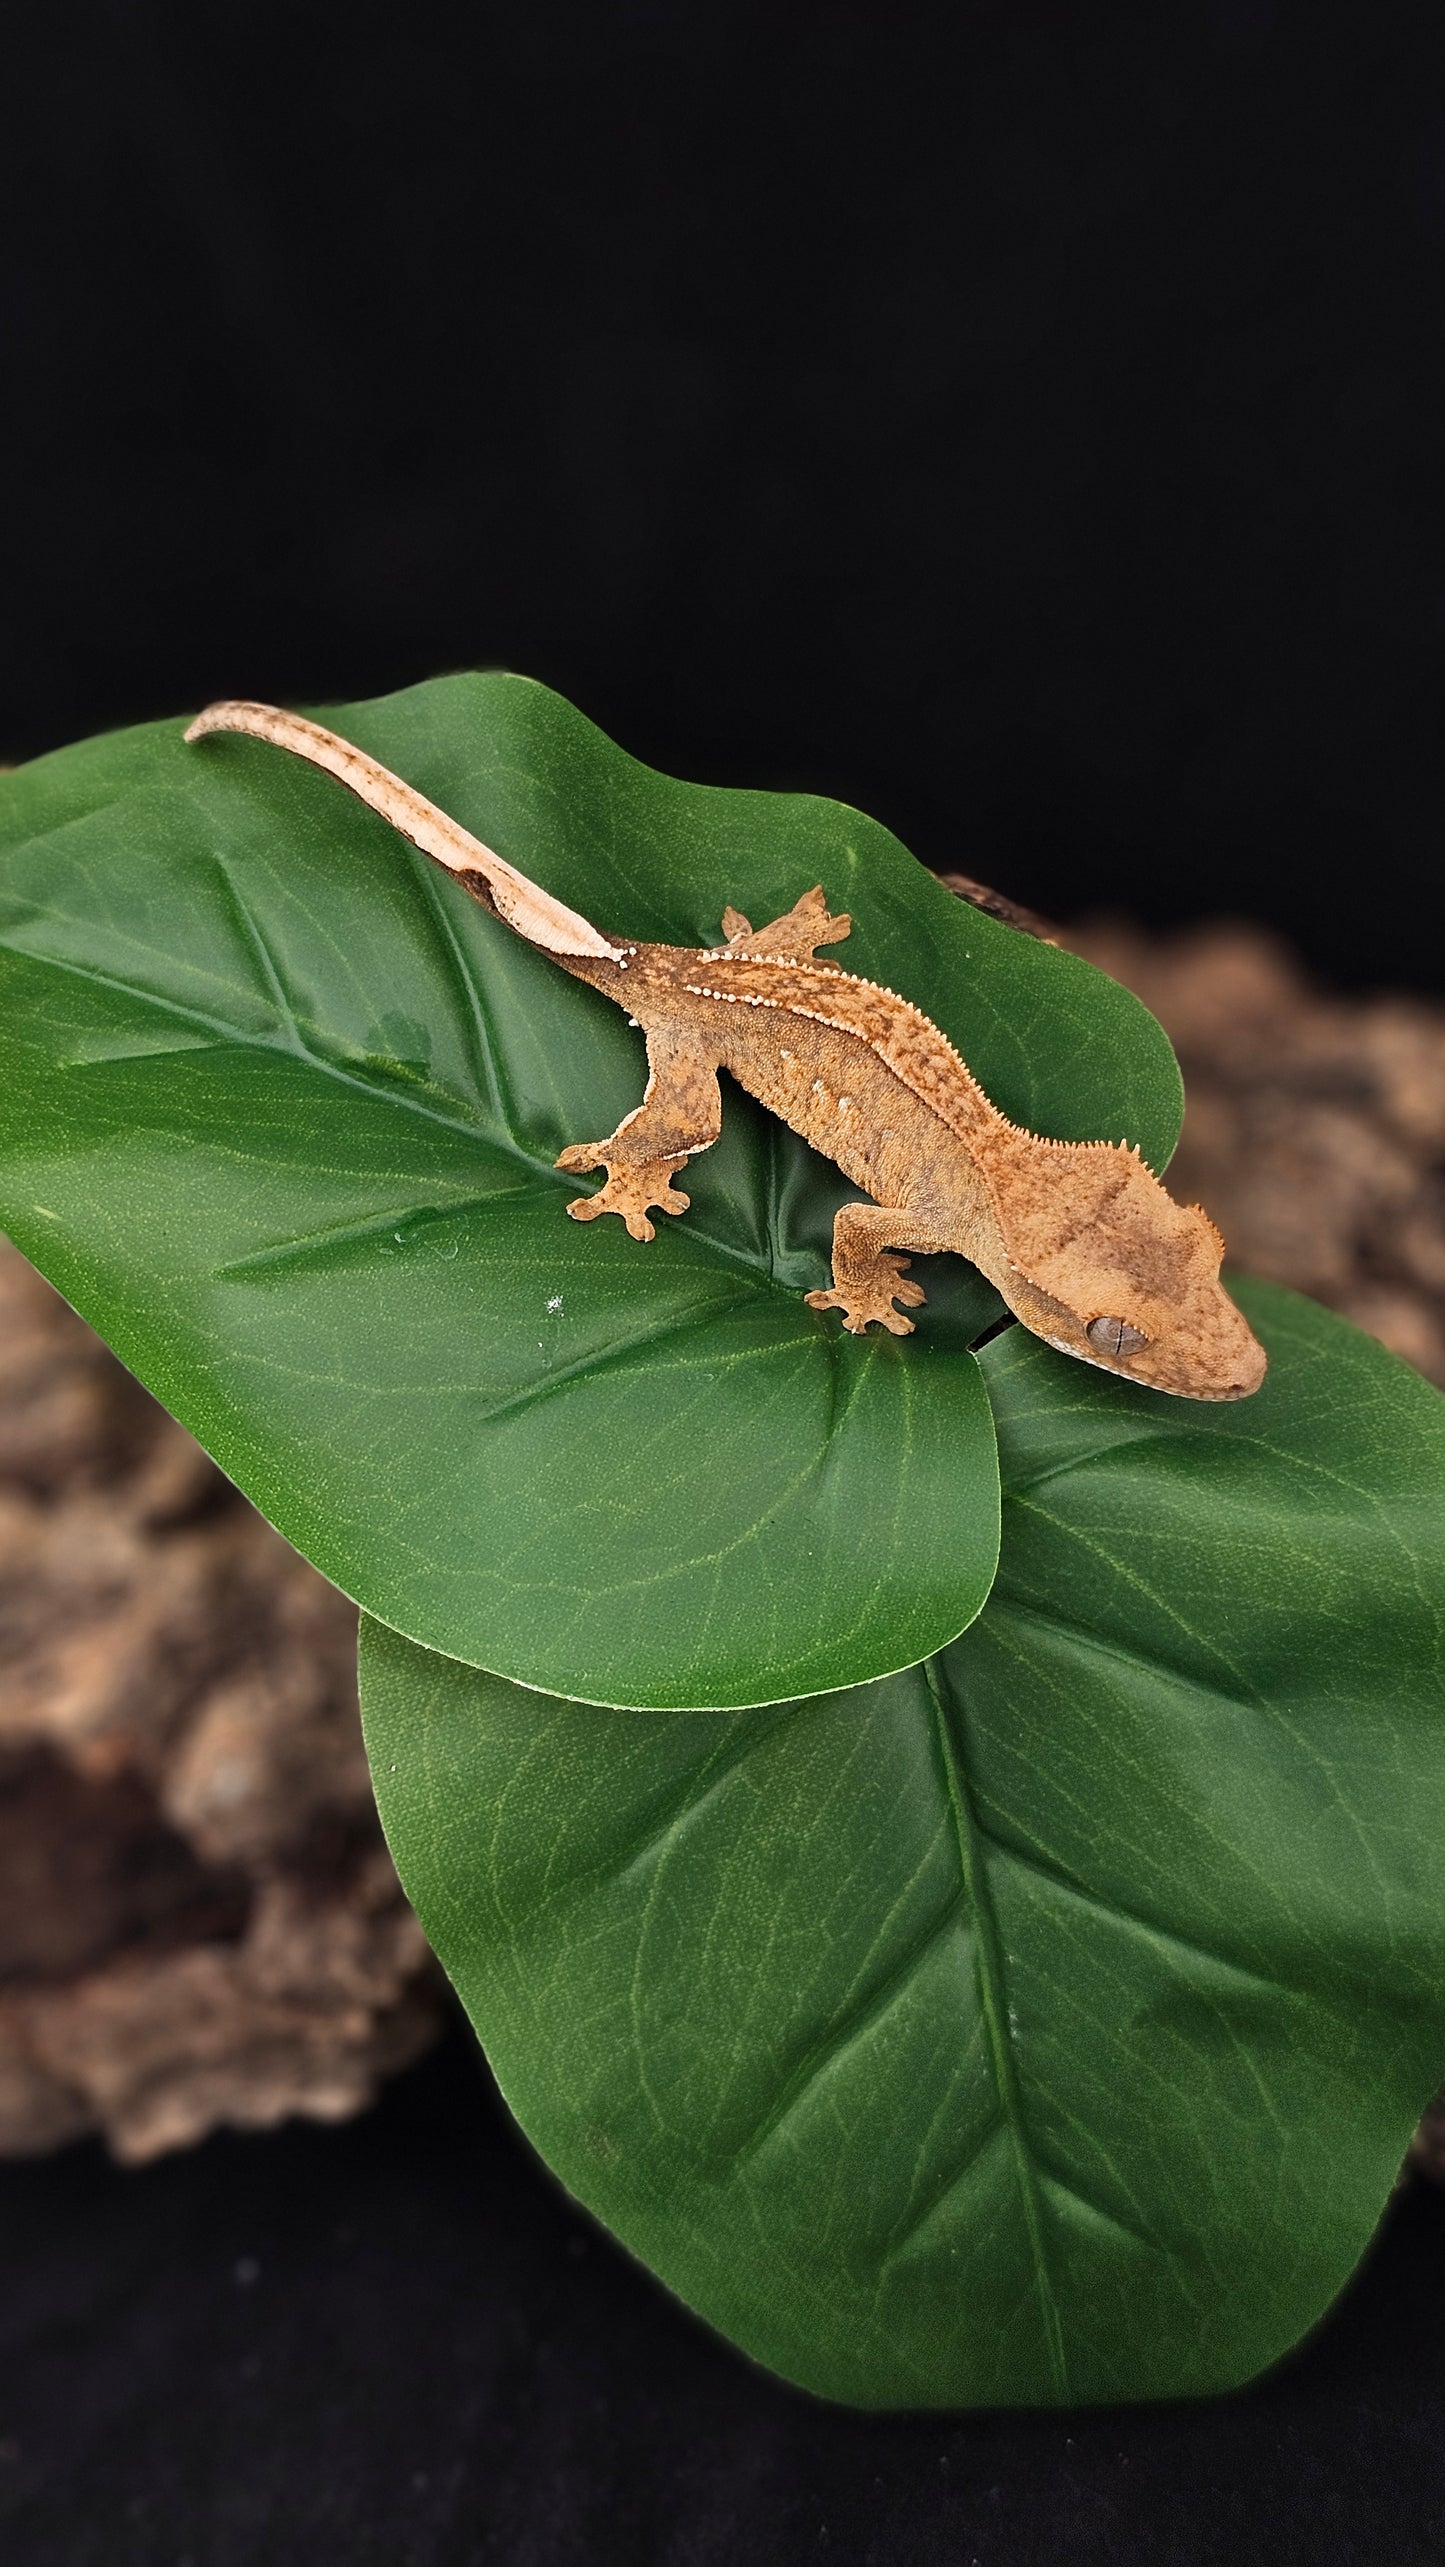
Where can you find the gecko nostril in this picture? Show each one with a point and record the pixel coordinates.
(1115, 1336)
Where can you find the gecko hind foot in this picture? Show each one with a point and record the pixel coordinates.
(864, 1298)
(629, 1192)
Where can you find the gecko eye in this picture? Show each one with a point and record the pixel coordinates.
(1115, 1336)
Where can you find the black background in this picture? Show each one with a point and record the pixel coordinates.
(398, 2345)
(1021, 421)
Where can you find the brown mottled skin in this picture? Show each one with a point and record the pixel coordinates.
(1079, 1237)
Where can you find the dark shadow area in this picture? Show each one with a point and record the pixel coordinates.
(398, 2342)
(122, 1881)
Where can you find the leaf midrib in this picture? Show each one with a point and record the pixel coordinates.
(993, 2003)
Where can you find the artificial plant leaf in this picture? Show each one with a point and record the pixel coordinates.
(1046, 2023)
(278, 1111)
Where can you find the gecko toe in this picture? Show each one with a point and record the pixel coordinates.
(861, 1315)
(633, 1192)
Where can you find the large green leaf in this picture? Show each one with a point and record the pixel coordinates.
(1045, 2023)
(278, 1111)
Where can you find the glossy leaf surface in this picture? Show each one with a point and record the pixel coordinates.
(278, 1110)
(1043, 2024)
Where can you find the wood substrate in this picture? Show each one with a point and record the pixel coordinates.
(199, 1923)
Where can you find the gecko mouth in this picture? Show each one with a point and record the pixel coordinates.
(1122, 1371)
(1236, 1390)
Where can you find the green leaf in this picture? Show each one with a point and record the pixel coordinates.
(278, 1111)
(1043, 2024)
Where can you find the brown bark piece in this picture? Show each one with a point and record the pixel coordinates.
(199, 1923)
(1315, 1124)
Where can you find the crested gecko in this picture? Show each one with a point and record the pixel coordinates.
(1079, 1237)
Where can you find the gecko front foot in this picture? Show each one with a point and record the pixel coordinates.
(865, 1297)
(630, 1192)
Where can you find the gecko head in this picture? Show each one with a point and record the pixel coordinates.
(1135, 1288)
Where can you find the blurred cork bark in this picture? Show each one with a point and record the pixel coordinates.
(199, 1923)
(198, 1920)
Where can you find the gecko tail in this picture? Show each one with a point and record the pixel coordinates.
(522, 904)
